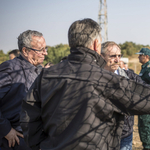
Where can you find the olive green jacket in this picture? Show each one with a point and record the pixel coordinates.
(145, 72)
(144, 120)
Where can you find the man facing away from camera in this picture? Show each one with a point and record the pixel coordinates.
(112, 54)
(78, 105)
(16, 77)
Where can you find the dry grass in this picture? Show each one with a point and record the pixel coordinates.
(134, 64)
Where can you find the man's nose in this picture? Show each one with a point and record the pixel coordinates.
(45, 53)
(117, 59)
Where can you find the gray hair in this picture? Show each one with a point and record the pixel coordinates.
(82, 33)
(107, 45)
(25, 38)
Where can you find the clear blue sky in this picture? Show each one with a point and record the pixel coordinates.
(128, 20)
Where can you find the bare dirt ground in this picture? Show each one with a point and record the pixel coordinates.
(136, 144)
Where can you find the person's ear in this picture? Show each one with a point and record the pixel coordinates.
(24, 51)
(147, 57)
(97, 46)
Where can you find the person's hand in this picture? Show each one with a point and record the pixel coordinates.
(12, 137)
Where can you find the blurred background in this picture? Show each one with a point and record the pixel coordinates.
(127, 24)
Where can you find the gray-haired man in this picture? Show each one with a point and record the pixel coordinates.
(16, 77)
(78, 105)
(112, 54)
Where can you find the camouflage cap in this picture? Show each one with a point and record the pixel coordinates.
(144, 51)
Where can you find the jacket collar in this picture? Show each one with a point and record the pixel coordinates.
(146, 64)
(83, 54)
(27, 64)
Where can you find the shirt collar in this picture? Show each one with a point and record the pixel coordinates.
(87, 55)
(116, 72)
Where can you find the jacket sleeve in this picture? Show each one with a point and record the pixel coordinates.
(129, 96)
(5, 85)
(30, 117)
(134, 76)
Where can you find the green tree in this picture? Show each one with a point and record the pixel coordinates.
(130, 48)
(56, 53)
(3, 57)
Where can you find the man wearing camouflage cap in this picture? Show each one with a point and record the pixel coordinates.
(144, 120)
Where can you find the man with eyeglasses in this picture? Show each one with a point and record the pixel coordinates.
(16, 78)
(112, 54)
(77, 104)
(144, 120)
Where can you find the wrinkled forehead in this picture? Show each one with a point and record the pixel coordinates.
(38, 41)
(113, 49)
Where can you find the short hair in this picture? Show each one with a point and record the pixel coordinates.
(25, 38)
(82, 33)
(106, 45)
(16, 52)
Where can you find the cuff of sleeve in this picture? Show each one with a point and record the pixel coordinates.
(5, 128)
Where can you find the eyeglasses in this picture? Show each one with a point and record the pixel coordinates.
(114, 56)
(40, 51)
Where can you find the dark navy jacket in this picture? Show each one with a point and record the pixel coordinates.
(16, 77)
(128, 120)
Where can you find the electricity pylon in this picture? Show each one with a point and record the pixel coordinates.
(102, 20)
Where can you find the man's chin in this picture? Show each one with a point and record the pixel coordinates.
(115, 67)
(40, 61)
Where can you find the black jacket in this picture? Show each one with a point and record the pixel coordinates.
(16, 77)
(77, 105)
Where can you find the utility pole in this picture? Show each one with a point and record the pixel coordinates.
(102, 20)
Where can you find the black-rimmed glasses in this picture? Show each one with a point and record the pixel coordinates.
(40, 51)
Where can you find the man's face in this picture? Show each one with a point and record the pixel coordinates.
(36, 57)
(143, 59)
(121, 65)
(11, 56)
(112, 58)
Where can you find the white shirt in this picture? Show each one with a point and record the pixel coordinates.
(116, 72)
